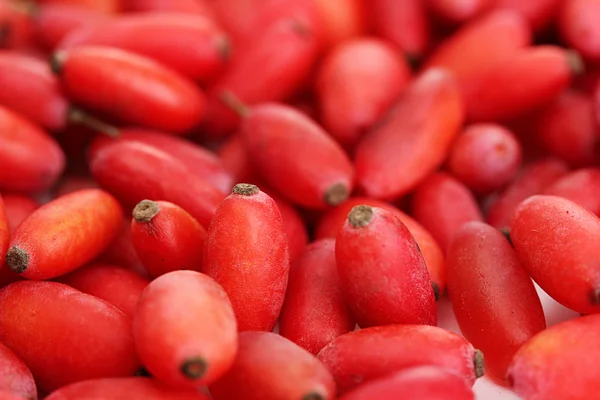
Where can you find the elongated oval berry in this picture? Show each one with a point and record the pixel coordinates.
(116, 285)
(135, 171)
(185, 329)
(559, 363)
(557, 242)
(435, 197)
(201, 49)
(485, 157)
(367, 354)
(496, 95)
(83, 337)
(413, 140)
(567, 129)
(246, 253)
(270, 367)
(296, 157)
(403, 23)
(315, 312)
(64, 234)
(532, 180)
(124, 389)
(581, 186)
(281, 72)
(199, 160)
(30, 89)
(332, 221)
(5, 231)
(15, 376)
(30, 160)
(415, 384)
(18, 208)
(382, 272)
(166, 237)
(467, 53)
(494, 301)
(356, 84)
(129, 88)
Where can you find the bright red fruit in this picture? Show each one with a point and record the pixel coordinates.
(75, 348)
(296, 156)
(368, 354)
(251, 262)
(315, 312)
(494, 301)
(270, 367)
(413, 140)
(382, 272)
(64, 234)
(185, 330)
(166, 238)
(557, 242)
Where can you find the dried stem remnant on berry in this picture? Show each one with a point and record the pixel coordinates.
(145, 211)
(360, 216)
(245, 189)
(17, 259)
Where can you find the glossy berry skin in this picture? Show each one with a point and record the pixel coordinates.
(435, 197)
(281, 72)
(315, 312)
(166, 238)
(254, 271)
(129, 88)
(567, 129)
(368, 354)
(558, 362)
(185, 330)
(124, 389)
(30, 160)
(496, 95)
(30, 89)
(195, 7)
(135, 171)
(15, 377)
(199, 160)
(356, 84)
(64, 234)
(538, 13)
(104, 6)
(467, 53)
(121, 252)
(557, 241)
(578, 27)
(494, 301)
(382, 272)
(580, 186)
(270, 367)
(485, 157)
(533, 179)
(296, 157)
(403, 23)
(413, 140)
(18, 207)
(331, 222)
(116, 285)
(5, 231)
(415, 384)
(75, 348)
(201, 50)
